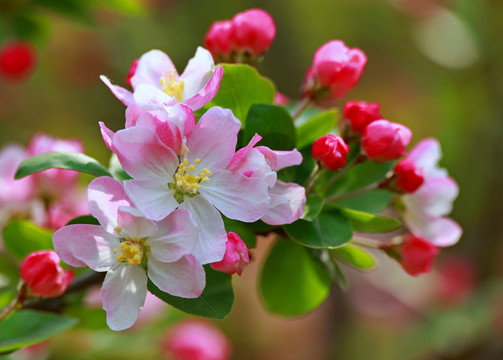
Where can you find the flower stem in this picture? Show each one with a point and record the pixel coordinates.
(301, 106)
(374, 244)
(15, 304)
(311, 181)
(348, 195)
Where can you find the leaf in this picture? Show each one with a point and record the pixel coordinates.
(60, 160)
(116, 169)
(330, 229)
(369, 223)
(354, 256)
(316, 127)
(84, 219)
(314, 205)
(292, 282)
(336, 273)
(245, 233)
(373, 201)
(241, 87)
(215, 301)
(273, 123)
(27, 327)
(23, 237)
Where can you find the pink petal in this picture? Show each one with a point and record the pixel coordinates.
(185, 277)
(278, 160)
(149, 97)
(287, 204)
(123, 293)
(207, 94)
(251, 163)
(120, 93)
(151, 67)
(434, 197)
(134, 225)
(107, 135)
(441, 231)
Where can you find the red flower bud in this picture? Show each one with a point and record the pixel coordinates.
(235, 258)
(417, 255)
(385, 141)
(252, 31)
(218, 39)
(331, 151)
(360, 113)
(335, 70)
(45, 278)
(132, 70)
(17, 61)
(408, 177)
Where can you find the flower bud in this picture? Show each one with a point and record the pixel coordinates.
(235, 258)
(385, 141)
(281, 99)
(132, 70)
(408, 177)
(360, 113)
(45, 278)
(331, 151)
(335, 70)
(417, 255)
(252, 31)
(17, 60)
(218, 39)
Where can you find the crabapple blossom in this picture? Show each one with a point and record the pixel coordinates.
(217, 39)
(17, 60)
(156, 77)
(131, 72)
(361, 113)
(236, 256)
(408, 177)
(44, 276)
(123, 242)
(385, 141)
(417, 255)
(331, 151)
(252, 31)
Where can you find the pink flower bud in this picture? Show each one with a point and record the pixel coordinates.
(196, 340)
(45, 278)
(132, 70)
(408, 177)
(281, 99)
(360, 113)
(385, 141)
(17, 60)
(252, 31)
(335, 70)
(417, 255)
(218, 39)
(331, 151)
(235, 258)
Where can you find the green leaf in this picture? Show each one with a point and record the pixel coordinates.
(245, 233)
(241, 87)
(373, 201)
(330, 229)
(23, 237)
(292, 281)
(316, 127)
(273, 123)
(215, 301)
(369, 223)
(27, 327)
(60, 160)
(116, 169)
(335, 272)
(84, 219)
(354, 256)
(314, 205)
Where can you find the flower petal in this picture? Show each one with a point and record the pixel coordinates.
(287, 204)
(149, 97)
(206, 94)
(198, 72)
(185, 277)
(426, 154)
(120, 93)
(123, 292)
(151, 67)
(280, 159)
(107, 135)
(237, 196)
(91, 245)
(134, 225)
(440, 231)
(434, 197)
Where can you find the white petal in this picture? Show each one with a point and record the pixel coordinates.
(151, 67)
(198, 72)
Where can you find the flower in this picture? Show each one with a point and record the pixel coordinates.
(408, 178)
(156, 76)
(331, 151)
(252, 31)
(236, 256)
(217, 39)
(198, 181)
(118, 247)
(335, 70)
(425, 209)
(131, 72)
(417, 255)
(17, 61)
(361, 113)
(385, 141)
(41, 271)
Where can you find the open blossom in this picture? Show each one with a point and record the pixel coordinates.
(197, 181)
(155, 76)
(118, 246)
(236, 256)
(426, 208)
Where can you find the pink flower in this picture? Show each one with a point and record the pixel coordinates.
(281, 99)
(252, 31)
(196, 340)
(14, 191)
(198, 181)
(385, 141)
(417, 255)
(408, 177)
(157, 77)
(132, 71)
(426, 208)
(72, 205)
(45, 278)
(335, 70)
(331, 151)
(118, 245)
(17, 61)
(235, 258)
(218, 39)
(360, 113)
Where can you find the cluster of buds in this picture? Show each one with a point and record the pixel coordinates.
(17, 61)
(243, 39)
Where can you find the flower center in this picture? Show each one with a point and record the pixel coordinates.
(186, 181)
(170, 86)
(131, 252)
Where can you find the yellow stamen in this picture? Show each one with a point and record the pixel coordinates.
(132, 252)
(170, 86)
(186, 181)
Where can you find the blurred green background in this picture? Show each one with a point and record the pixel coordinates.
(434, 65)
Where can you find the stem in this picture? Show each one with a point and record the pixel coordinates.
(301, 106)
(16, 303)
(357, 192)
(374, 244)
(311, 180)
(340, 173)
